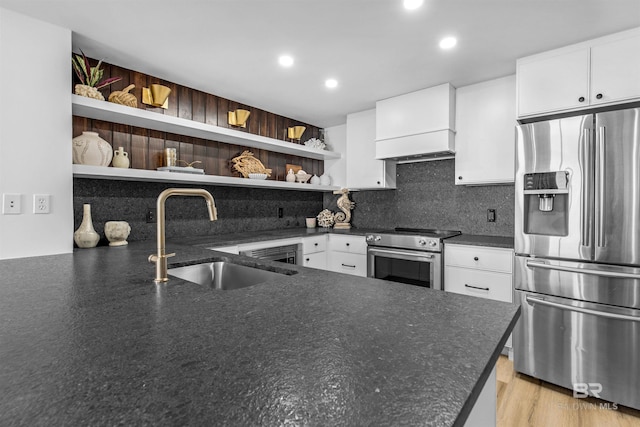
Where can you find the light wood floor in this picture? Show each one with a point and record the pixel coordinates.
(526, 401)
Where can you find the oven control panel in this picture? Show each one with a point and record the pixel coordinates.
(403, 241)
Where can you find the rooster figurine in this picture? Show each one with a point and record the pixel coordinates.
(342, 218)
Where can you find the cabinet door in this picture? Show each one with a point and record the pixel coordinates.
(314, 244)
(353, 244)
(349, 263)
(615, 71)
(364, 171)
(479, 257)
(478, 283)
(315, 260)
(553, 83)
(485, 138)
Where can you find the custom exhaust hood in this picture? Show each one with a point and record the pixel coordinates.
(417, 126)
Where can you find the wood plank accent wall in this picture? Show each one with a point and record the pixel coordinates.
(145, 147)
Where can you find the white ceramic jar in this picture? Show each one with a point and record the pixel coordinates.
(90, 149)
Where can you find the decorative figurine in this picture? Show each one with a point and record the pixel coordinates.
(342, 218)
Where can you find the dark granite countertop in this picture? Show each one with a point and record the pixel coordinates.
(260, 236)
(88, 339)
(480, 240)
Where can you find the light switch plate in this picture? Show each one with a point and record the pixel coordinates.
(41, 203)
(11, 204)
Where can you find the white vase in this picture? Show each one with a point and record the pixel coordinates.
(85, 236)
(90, 149)
(291, 177)
(325, 180)
(120, 158)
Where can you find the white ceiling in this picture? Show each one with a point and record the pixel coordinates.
(374, 48)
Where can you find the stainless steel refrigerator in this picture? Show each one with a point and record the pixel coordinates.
(577, 244)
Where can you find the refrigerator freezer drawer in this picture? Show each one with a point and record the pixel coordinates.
(572, 344)
(605, 284)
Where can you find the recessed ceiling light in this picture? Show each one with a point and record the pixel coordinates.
(331, 83)
(286, 60)
(448, 42)
(412, 4)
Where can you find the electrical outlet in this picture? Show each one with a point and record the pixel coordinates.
(151, 215)
(41, 203)
(11, 204)
(491, 215)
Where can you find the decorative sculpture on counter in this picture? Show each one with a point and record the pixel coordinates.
(343, 218)
(246, 164)
(325, 218)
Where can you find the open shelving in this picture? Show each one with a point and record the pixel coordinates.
(102, 172)
(121, 114)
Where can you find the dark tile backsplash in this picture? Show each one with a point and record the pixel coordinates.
(239, 208)
(426, 197)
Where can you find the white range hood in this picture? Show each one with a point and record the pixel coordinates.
(417, 126)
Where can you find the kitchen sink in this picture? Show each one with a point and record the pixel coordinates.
(225, 275)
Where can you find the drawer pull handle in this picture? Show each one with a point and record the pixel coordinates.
(315, 244)
(476, 287)
(347, 244)
(349, 265)
(307, 259)
(475, 258)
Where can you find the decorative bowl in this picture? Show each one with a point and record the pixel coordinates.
(257, 176)
(302, 177)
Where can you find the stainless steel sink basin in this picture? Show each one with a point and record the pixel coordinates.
(224, 275)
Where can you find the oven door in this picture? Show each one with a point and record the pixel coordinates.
(405, 266)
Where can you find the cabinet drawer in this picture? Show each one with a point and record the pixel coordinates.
(480, 257)
(315, 260)
(349, 263)
(352, 244)
(314, 244)
(477, 283)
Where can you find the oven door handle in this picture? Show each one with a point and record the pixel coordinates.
(400, 254)
(604, 273)
(599, 313)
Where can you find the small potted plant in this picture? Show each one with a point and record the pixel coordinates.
(90, 77)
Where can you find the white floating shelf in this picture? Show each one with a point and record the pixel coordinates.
(102, 172)
(116, 113)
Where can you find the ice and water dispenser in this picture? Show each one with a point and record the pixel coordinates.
(546, 203)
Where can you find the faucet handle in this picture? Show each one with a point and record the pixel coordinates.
(153, 258)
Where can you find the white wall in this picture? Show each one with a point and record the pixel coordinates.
(35, 134)
(336, 139)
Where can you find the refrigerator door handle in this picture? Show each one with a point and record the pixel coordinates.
(585, 236)
(600, 313)
(600, 174)
(595, 272)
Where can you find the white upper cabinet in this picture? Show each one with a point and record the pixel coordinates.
(603, 71)
(364, 171)
(416, 124)
(553, 83)
(615, 71)
(485, 138)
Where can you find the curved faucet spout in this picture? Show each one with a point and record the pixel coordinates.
(160, 258)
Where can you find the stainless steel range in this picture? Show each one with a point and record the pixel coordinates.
(408, 255)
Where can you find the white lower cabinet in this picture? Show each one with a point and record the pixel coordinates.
(349, 263)
(314, 252)
(347, 254)
(479, 271)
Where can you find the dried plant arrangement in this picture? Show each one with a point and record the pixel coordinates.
(246, 164)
